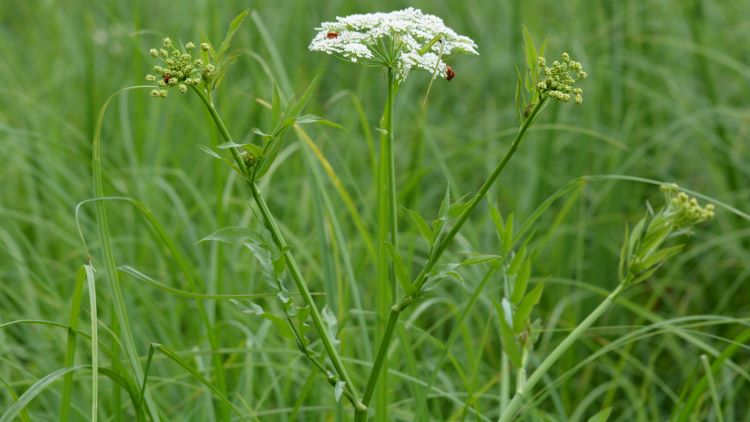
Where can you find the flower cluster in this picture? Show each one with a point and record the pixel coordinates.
(402, 40)
(684, 210)
(558, 82)
(643, 251)
(180, 69)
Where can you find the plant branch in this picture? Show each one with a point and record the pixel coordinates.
(540, 371)
(291, 263)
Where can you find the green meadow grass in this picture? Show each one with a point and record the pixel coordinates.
(665, 101)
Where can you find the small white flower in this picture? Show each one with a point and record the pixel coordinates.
(404, 39)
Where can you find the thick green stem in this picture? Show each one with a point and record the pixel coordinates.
(421, 279)
(281, 245)
(521, 394)
(386, 235)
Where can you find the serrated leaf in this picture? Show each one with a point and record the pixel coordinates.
(281, 324)
(402, 273)
(509, 344)
(601, 416)
(422, 227)
(331, 324)
(480, 259)
(233, 27)
(233, 235)
(338, 390)
(524, 309)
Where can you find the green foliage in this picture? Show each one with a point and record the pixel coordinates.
(660, 105)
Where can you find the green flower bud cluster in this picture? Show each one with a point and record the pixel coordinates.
(558, 83)
(643, 251)
(179, 68)
(684, 210)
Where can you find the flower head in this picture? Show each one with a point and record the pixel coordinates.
(402, 40)
(684, 210)
(557, 81)
(178, 68)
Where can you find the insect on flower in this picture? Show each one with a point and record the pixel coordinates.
(166, 78)
(331, 35)
(449, 73)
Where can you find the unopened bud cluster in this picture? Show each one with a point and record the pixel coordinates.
(179, 68)
(684, 210)
(557, 82)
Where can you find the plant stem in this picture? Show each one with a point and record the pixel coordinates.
(437, 252)
(474, 202)
(281, 245)
(561, 348)
(386, 238)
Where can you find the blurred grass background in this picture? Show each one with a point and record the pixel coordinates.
(666, 100)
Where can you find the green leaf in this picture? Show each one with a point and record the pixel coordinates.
(295, 108)
(331, 324)
(233, 27)
(422, 226)
(233, 235)
(521, 281)
(230, 145)
(480, 259)
(276, 106)
(510, 346)
(402, 273)
(624, 259)
(281, 324)
(311, 118)
(34, 390)
(602, 416)
(531, 57)
(497, 219)
(213, 154)
(338, 390)
(518, 259)
(445, 204)
(508, 235)
(661, 256)
(520, 97)
(197, 375)
(635, 237)
(523, 312)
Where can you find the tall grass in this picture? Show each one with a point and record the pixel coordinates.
(665, 102)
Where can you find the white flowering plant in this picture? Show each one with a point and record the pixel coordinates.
(403, 40)
(399, 42)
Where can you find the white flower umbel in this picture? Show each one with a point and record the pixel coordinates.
(402, 40)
